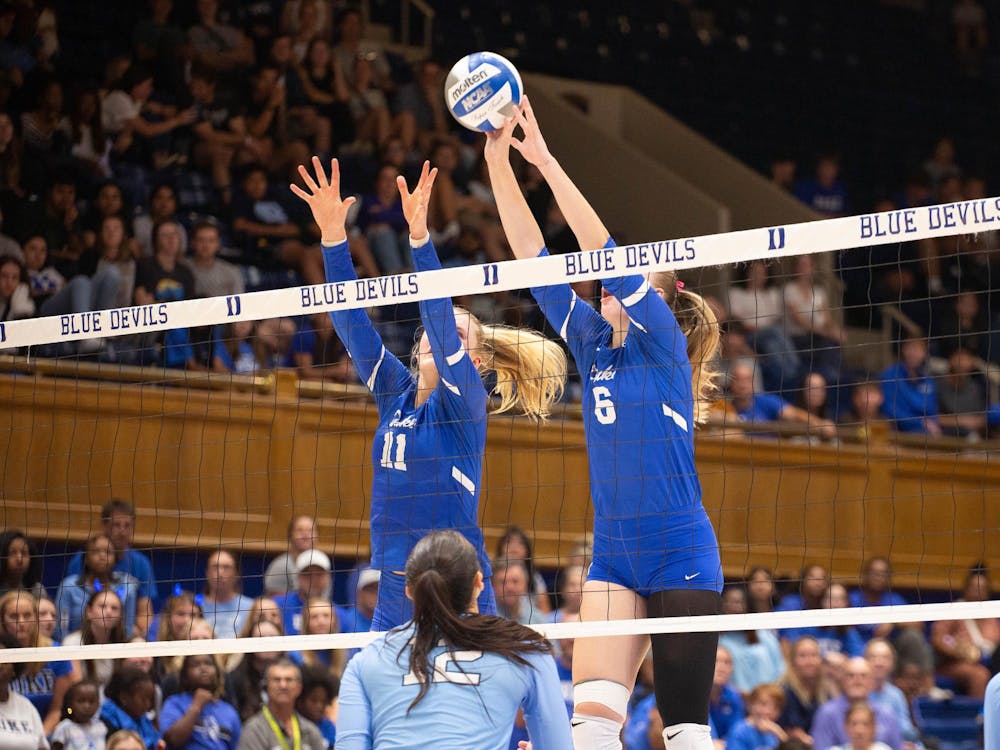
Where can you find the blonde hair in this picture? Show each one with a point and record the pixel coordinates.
(120, 737)
(254, 616)
(37, 639)
(309, 658)
(699, 325)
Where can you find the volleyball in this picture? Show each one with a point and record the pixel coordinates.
(482, 90)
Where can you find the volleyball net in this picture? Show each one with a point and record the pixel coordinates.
(215, 459)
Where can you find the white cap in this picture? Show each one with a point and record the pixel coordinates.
(312, 558)
(367, 577)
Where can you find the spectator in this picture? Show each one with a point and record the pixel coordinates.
(916, 679)
(962, 398)
(163, 278)
(515, 544)
(11, 158)
(278, 722)
(266, 233)
(128, 699)
(161, 44)
(806, 689)
(103, 623)
(179, 612)
(20, 564)
(814, 396)
(47, 617)
(865, 418)
(760, 729)
(162, 207)
(881, 656)
(809, 321)
(358, 619)
(825, 192)
(510, 582)
(198, 718)
(381, 219)
(755, 654)
(15, 295)
(217, 46)
(307, 131)
(761, 592)
(313, 581)
(58, 221)
(125, 739)
(109, 201)
(351, 44)
(98, 573)
(829, 728)
(262, 609)
(44, 684)
(137, 139)
(759, 308)
(20, 725)
(962, 326)
(45, 127)
(245, 680)
(118, 522)
(876, 591)
(280, 575)
(909, 392)
(765, 407)
(812, 592)
(90, 148)
(961, 646)
(81, 729)
(223, 605)
(319, 691)
(324, 88)
(320, 618)
(213, 277)
(571, 580)
(783, 172)
(8, 245)
(941, 165)
(305, 25)
(971, 34)
(832, 639)
(116, 257)
(726, 703)
(859, 726)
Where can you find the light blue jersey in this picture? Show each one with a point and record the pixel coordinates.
(472, 702)
(427, 460)
(991, 715)
(651, 532)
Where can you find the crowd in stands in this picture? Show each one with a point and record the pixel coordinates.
(816, 685)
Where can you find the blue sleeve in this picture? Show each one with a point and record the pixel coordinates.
(544, 707)
(458, 373)
(354, 715)
(384, 375)
(649, 314)
(60, 668)
(235, 725)
(901, 402)
(172, 711)
(740, 738)
(854, 644)
(75, 566)
(579, 325)
(771, 406)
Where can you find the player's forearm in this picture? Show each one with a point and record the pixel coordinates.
(587, 226)
(523, 234)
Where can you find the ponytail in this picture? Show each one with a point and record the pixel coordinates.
(531, 370)
(440, 574)
(701, 328)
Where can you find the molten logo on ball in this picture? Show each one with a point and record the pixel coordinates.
(482, 90)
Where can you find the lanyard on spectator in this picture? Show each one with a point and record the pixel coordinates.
(280, 733)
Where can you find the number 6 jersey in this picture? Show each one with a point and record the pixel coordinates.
(651, 532)
(427, 460)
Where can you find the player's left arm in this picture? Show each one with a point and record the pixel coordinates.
(354, 722)
(544, 707)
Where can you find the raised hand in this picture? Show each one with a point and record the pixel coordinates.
(328, 209)
(532, 147)
(498, 141)
(415, 204)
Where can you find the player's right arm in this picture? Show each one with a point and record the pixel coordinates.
(378, 368)
(354, 722)
(544, 707)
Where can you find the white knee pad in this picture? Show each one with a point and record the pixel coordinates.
(688, 737)
(596, 733)
(613, 695)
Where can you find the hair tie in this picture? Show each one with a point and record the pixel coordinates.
(680, 285)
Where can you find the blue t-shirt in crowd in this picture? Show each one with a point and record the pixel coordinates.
(764, 407)
(38, 687)
(217, 727)
(115, 717)
(132, 562)
(636, 735)
(886, 599)
(743, 736)
(831, 640)
(227, 618)
(353, 620)
(726, 711)
(290, 605)
(329, 731)
(826, 200)
(909, 401)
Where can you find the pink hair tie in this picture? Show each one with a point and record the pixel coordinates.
(680, 285)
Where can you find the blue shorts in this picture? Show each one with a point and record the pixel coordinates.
(394, 608)
(675, 551)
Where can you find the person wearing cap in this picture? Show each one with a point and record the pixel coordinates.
(357, 618)
(312, 581)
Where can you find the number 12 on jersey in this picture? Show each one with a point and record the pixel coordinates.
(388, 461)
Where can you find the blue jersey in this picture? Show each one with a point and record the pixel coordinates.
(428, 460)
(216, 728)
(471, 703)
(651, 531)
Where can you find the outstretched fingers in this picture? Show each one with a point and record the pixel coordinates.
(320, 174)
(310, 183)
